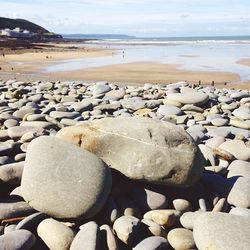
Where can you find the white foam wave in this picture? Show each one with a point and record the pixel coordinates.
(165, 42)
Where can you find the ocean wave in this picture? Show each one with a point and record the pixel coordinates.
(165, 42)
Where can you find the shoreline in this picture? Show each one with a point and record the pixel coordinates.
(29, 66)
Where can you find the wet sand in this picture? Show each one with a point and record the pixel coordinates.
(148, 72)
(44, 57)
(29, 65)
(244, 61)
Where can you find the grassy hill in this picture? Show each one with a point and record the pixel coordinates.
(8, 23)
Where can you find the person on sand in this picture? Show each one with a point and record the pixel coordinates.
(3, 55)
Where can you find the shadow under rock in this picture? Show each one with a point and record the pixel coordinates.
(218, 184)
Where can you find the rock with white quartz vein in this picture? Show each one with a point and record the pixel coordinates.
(141, 148)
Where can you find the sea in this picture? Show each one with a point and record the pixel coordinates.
(219, 54)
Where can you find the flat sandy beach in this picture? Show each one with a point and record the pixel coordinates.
(30, 65)
(244, 61)
(148, 72)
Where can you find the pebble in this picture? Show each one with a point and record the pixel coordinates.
(230, 106)
(188, 96)
(181, 238)
(154, 228)
(182, 205)
(18, 131)
(160, 178)
(30, 221)
(110, 212)
(242, 113)
(126, 229)
(166, 110)
(193, 108)
(5, 149)
(240, 123)
(109, 241)
(101, 89)
(128, 207)
(55, 234)
(19, 239)
(219, 122)
(163, 217)
(187, 219)
(11, 123)
(239, 95)
(239, 168)
(240, 211)
(239, 195)
(10, 209)
(5, 160)
(215, 142)
(87, 238)
(115, 95)
(221, 205)
(208, 154)
(237, 148)
(209, 231)
(148, 199)
(62, 114)
(84, 105)
(133, 104)
(197, 132)
(36, 117)
(12, 173)
(151, 243)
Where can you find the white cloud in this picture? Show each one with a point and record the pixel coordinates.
(133, 16)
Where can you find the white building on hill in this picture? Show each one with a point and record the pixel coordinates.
(16, 33)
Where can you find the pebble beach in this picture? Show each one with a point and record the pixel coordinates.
(97, 166)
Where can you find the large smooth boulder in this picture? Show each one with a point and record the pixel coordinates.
(64, 181)
(141, 149)
(222, 231)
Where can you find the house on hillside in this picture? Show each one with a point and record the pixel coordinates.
(16, 33)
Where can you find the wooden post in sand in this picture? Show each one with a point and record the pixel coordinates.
(199, 82)
(212, 83)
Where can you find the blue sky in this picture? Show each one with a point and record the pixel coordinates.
(143, 18)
